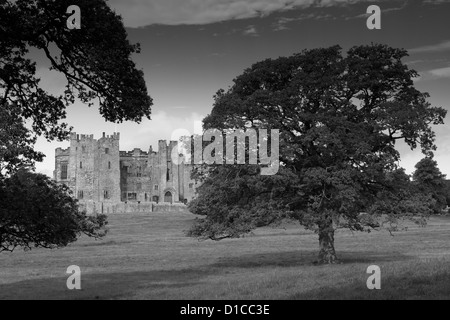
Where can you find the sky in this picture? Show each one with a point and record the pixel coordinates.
(193, 48)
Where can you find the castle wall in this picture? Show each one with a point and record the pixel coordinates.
(135, 178)
(95, 168)
(62, 158)
(107, 180)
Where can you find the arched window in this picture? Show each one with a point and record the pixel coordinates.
(168, 197)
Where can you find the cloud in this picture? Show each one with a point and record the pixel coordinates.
(162, 127)
(443, 46)
(436, 1)
(441, 72)
(281, 24)
(139, 13)
(433, 74)
(251, 31)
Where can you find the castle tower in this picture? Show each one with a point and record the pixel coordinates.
(93, 167)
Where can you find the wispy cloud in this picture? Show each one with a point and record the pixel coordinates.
(283, 23)
(443, 46)
(436, 1)
(138, 13)
(384, 10)
(251, 31)
(441, 72)
(434, 74)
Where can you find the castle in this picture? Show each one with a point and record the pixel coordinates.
(107, 180)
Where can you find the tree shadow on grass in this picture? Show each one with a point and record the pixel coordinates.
(100, 243)
(423, 286)
(305, 258)
(127, 285)
(105, 285)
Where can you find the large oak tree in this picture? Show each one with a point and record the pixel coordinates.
(339, 116)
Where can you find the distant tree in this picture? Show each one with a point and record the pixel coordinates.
(339, 119)
(430, 180)
(447, 192)
(96, 63)
(36, 212)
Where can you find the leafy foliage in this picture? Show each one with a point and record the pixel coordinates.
(430, 180)
(16, 142)
(339, 119)
(36, 212)
(95, 60)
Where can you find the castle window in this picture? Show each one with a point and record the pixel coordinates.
(156, 187)
(132, 196)
(106, 150)
(109, 164)
(81, 165)
(80, 194)
(168, 197)
(168, 175)
(106, 194)
(64, 171)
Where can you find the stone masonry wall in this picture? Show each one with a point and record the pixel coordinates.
(107, 180)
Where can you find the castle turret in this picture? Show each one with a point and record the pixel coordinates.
(94, 171)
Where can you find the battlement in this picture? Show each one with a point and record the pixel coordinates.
(162, 145)
(62, 152)
(135, 153)
(90, 137)
(114, 136)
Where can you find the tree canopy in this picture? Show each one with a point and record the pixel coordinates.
(339, 117)
(37, 212)
(96, 61)
(430, 180)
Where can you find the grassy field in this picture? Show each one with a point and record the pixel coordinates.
(148, 257)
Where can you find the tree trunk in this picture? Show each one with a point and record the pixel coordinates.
(327, 254)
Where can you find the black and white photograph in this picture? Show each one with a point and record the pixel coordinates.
(224, 156)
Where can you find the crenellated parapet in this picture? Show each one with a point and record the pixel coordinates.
(59, 152)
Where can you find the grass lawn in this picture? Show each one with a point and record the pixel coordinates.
(149, 257)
